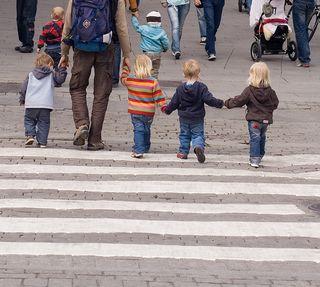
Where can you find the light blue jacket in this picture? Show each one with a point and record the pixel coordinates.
(153, 38)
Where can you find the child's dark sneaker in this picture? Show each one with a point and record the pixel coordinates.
(29, 141)
(200, 154)
(81, 135)
(182, 155)
(96, 146)
(254, 162)
(137, 155)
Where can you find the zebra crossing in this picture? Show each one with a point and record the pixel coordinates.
(140, 198)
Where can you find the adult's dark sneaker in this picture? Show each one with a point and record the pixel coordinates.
(200, 154)
(212, 57)
(29, 141)
(203, 40)
(81, 135)
(96, 146)
(17, 48)
(176, 55)
(25, 49)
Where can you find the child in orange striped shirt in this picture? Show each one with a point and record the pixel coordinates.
(144, 94)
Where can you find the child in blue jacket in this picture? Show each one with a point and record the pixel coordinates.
(154, 39)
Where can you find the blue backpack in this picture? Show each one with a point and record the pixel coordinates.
(92, 27)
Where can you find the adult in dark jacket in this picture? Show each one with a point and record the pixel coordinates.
(261, 100)
(26, 13)
(189, 100)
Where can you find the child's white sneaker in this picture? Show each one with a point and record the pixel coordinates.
(255, 162)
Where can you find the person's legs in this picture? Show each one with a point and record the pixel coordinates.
(249, 3)
(210, 24)
(20, 27)
(185, 138)
(81, 70)
(156, 62)
(147, 134)
(30, 122)
(218, 8)
(202, 22)
(197, 135)
(174, 20)
(117, 64)
(103, 67)
(43, 126)
(300, 13)
(29, 15)
(138, 134)
(55, 54)
(255, 140)
(183, 11)
(264, 128)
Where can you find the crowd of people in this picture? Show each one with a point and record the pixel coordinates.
(97, 31)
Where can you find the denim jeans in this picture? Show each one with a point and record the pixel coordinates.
(191, 133)
(116, 64)
(26, 13)
(301, 11)
(142, 133)
(55, 54)
(212, 13)
(249, 3)
(177, 16)
(257, 133)
(202, 22)
(37, 124)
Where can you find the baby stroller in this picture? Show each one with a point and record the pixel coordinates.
(275, 45)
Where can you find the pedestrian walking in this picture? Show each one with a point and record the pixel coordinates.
(154, 39)
(189, 100)
(51, 36)
(26, 14)
(36, 95)
(177, 11)
(261, 100)
(301, 12)
(144, 94)
(90, 34)
(202, 24)
(212, 13)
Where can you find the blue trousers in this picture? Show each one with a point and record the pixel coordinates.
(257, 133)
(301, 11)
(191, 133)
(212, 13)
(116, 64)
(142, 133)
(37, 124)
(26, 13)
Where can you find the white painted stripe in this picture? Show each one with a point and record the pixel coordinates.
(201, 228)
(180, 187)
(160, 251)
(202, 208)
(133, 171)
(299, 159)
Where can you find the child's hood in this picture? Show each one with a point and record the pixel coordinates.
(41, 72)
(262, 95)
(191, 92)
(155, 32)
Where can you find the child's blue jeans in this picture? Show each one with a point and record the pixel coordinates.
(191, 133)
(257, 132)
(37, 124)
(142, 133)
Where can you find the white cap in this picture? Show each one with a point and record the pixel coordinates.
(154, 17)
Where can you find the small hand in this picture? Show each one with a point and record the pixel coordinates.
(163, 108)
(136, 14)
(38, 50)
(126, 61)
(197, 2)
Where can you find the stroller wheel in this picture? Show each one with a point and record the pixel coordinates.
(240, 5)
(256, 51)
(292, 50)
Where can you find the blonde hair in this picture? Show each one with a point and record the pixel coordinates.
(43, 60)
(57, 13)
(142, 67)
(259, 75)
(191, 69)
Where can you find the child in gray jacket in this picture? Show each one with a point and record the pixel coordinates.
(37, 96)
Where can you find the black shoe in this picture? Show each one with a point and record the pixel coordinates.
(96, 146)
(200, 154)
(17, 48)
(25, 49)
(81, 135)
